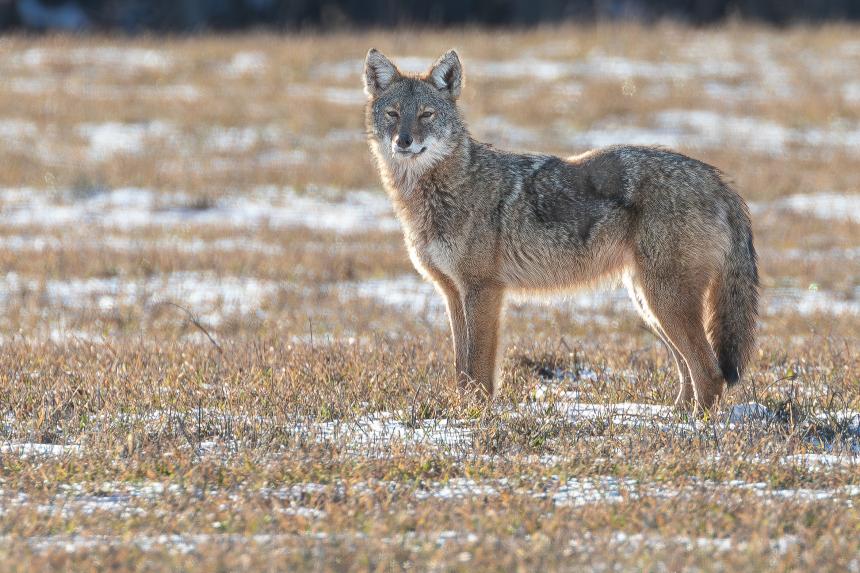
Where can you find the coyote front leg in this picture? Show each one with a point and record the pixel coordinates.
(483, 307)
(457, 318)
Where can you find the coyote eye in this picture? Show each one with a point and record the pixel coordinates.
(392, 113)
(426, 115)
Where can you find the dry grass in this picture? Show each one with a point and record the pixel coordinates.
(193, 378)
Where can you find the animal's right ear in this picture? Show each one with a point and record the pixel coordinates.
(379, 72)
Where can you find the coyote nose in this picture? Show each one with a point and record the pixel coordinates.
(404, 140)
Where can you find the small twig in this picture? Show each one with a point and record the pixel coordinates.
(196, 322)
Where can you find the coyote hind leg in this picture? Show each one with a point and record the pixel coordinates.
(686, 395)
(677, 304)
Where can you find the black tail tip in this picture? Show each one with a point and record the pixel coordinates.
(730, 371)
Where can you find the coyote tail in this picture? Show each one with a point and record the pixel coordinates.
(734, 301)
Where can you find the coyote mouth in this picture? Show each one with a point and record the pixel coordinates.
(409, 152)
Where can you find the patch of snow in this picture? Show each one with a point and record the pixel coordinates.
(851, 92)
(112, 138)
(806, 302)
(318, 208)
(815, 255)
(32, 86)
(824, 205)
(119, 243)
(598, 65)
(344, 96)
(523, 68)
(613, 134)
(206, 294)
(241, 139)
(595, 65)
(704, 129)
(735, 93)
(804, 494)
(775, 78)
(712, 129)
(822, 460)
(577, 492)
(406, 292)
(122, 59)
(11, 128)
(381, 429)
(31, 450)
(749, 412)
(340, 137)
(412, 293)
(496, 128)
(630, 414)
(246, 63)
(456, 488)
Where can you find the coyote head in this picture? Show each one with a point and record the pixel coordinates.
(412, 120)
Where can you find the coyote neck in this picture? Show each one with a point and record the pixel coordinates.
(422, 197)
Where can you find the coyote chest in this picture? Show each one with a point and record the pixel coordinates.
(442, 256)
(435, 254)
(435, 235)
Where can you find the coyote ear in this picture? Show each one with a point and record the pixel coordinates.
(379, 72)
(447, 74)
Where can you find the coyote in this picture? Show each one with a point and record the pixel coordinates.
(480, 222)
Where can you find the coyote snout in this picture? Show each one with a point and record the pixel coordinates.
(480, 222)
(404, 144)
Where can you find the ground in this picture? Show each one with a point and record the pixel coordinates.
(215, 352)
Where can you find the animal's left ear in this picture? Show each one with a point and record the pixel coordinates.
(447, 74)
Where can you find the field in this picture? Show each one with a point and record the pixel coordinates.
(216, 354)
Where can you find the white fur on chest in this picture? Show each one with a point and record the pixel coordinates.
(443, 256)
(435, 257)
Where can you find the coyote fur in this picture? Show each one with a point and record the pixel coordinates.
(480, 222)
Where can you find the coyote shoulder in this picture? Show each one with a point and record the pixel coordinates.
(479, 222)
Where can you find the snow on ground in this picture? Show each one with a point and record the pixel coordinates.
(806, 302)
(246, 63)
(34, 450)
(344, 96)
(112, 138)
(120, 243)
(102, 90)
(825, 205)
(378, 431)
(596, 65)
(322, 209)
(410, 292)
(381, 429)
(748, 412)
(11, 128)
(496, 128)
(851, 92)
(679, 128)
(210, 296)
(822, 460)
(241, 139)
(835, 254)
(125, 60)
(298, 498)
(704, 129)
(412, 540)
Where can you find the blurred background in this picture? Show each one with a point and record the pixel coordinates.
(134, 16)
(222, 166)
